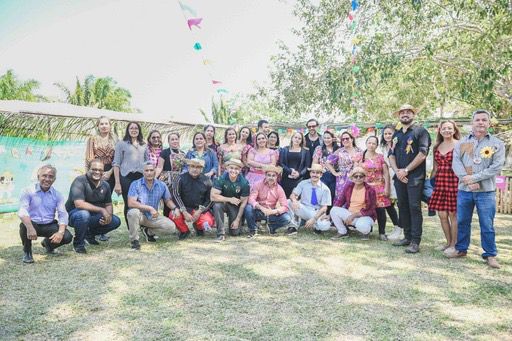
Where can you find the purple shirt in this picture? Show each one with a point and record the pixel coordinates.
(40, 206)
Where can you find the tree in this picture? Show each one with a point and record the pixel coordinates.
(101, 93)
(11, 88)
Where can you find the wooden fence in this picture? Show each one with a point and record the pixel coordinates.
(504, 197)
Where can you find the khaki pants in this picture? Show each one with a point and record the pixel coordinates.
(159, 225)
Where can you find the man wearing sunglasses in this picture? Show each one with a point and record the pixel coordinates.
(312, 138)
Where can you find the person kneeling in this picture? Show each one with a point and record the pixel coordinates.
(89, 207)
(357, 206)
(267, 201)
(143, 199)
(193, 198)
(38, 205)
(315, 196)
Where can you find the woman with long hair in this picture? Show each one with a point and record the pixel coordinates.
(344, 158)
(154, 146)
(320, 156)
(245, 140)
(444, 197)
(273, 142)
(102, 146)
(377, 176)
(209, 133)
(201, 151)
(170, 165)
(259, 157)
(230, 149)
(129, 158)
(295, 160)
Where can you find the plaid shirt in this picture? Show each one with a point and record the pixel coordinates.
(146, 196)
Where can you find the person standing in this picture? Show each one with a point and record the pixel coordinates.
(312, 139)
(230, 149)
(444, 196)
(295, 160)
(477, 159)
(407, 158)
(246, 141)
(321, 155)
(259, 157)
(201, 151)
(209, 133)
(154, 147)
(38, 206)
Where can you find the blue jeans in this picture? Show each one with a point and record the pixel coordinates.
(87, 225)
(274, 221)
(485, 203)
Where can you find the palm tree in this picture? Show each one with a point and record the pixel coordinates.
(101, 93)
(12, 88)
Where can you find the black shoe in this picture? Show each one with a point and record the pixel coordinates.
(431, 213)
(27, 257)
(135, 245)
(291, 231)
(234, 232)
(220, 239)
(365, 236)
(150, 238)
(200, 233)
(317, 231)
(413, 248)
(103, 237)
(80, 249)
(46, 244)
(183, 235)
(92, 241)
(402, 242)
(252, 234)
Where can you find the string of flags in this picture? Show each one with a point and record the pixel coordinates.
(355, 41)
(194, 23)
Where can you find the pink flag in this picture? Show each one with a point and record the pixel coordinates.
(501, 182)
(350, 17)
(194, 22)
(214, 82)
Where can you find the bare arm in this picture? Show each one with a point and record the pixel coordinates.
(159, 167)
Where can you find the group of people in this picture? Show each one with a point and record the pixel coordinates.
(314, 182)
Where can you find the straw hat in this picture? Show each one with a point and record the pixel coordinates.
(316, 168)
(276, 169)
(407, 107)
(234, 162)
(195, 162)
(357, 170)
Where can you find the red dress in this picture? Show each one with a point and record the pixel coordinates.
(444, 197)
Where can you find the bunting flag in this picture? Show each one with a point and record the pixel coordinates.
(214, 82)
(187, 8)
(197, 46)
(194, 22)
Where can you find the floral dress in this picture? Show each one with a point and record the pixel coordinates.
(344, 162)
(375, 178)
(256, 174)
(226, 152)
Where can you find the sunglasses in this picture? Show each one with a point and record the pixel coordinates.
(311, 127)
(358, 176)
(345, 138)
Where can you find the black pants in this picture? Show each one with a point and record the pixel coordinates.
(232, 210)
(43, 230)
(381, 217)
(126, 181)
(409, 208)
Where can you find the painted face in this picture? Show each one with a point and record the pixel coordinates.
(104, 125)
(371, 144)
(149, 172)
(327, 139)
(346, 140)
(272, 140)
(46, 178)
(96, 171)
(296, 139)
(133, 130)
(231, 135)
(406, 116)
(195, 170)
(199, 140)
(174, 141)
(244, 134)
(271, 177)
(233, 171)
(388, 134)
(481, 123)
(447, 130)
(156, 139)
(261, 140)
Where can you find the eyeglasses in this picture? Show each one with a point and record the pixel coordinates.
(97, 170)
(345, 138)
(156, 137)
(311, 127)
(358, 176)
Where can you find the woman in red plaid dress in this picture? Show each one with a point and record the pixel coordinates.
(444, 197)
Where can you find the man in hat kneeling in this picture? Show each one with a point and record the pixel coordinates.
(267, 202)
(309, 201)
(229, 193)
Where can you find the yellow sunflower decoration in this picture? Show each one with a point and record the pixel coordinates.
(486, 152)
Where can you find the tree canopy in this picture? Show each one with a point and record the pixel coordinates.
(12, 88)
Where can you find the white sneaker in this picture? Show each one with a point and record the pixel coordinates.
(396, 233)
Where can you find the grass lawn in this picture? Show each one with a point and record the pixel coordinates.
(305, 287)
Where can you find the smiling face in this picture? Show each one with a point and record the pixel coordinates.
(96, 170)
(261, 140)
(244, 134)
(406, 116)
(265, 128)
(312, 125)
(372, 143)
(174, 141)
(231, 136)
(155, 139)
(296, 140)
(209, 132)
(133, 130)
(447, 130)
(315, 175)
(199, 141)
(358, 178)
(272, 140)
(104, 125)
(233, 171)
(328, 139)
(388, 134)
(346, 140)
(46, 178)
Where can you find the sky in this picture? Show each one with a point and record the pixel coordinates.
(146, 46)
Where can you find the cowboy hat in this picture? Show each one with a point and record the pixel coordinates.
(357, 170)
(195, 162)
(234, 162)
(407, 107)
(271, 168)
(316, 168)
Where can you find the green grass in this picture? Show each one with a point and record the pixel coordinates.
(303, 288)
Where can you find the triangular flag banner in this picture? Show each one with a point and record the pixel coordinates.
(355, 5)
(214, 82)
(194, 22)
(187, 8)
(197, 46)
(222, 91)
(207, 62)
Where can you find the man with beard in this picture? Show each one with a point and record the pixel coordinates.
(407, 158)
(90, 207)
(477, 159)
(312, 139)
(38, 205)
(229, 194)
